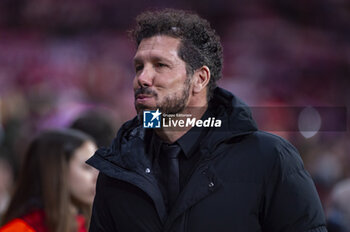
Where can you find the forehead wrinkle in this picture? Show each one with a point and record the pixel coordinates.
(156, 55)
(156, 47)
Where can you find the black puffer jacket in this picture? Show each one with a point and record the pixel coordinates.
(247, 180)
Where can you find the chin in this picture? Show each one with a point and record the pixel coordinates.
(140, 108)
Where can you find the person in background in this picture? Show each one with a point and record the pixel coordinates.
(6, 183)
(98, 125)
(55, 189)
(338, 216)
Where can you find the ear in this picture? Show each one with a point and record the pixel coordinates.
(201, 79)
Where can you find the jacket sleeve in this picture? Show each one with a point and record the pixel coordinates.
(291, 200)
(101, 218)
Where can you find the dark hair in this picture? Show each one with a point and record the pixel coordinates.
(98, 125)
(42, 183)
(200, 45)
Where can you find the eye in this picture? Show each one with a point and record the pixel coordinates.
(160, 65)
(138, 67)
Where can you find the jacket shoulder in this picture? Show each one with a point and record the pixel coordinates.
(274, 149)
(288, 186)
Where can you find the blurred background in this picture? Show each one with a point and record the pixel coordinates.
(61, 59)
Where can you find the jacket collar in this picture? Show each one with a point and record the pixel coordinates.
(236, 121)
(235, 116)
(128, 153)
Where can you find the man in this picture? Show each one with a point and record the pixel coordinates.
(227, 177)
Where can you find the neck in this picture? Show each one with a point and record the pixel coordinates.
(172, 134)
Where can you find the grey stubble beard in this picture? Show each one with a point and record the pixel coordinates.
(170, 104)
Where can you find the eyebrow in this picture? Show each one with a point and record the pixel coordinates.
(138, 60)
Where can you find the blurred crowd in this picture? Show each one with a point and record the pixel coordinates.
(60, 60)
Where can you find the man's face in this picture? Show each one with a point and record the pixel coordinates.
(161, 80)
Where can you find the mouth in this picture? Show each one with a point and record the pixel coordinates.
(143, 96)
(143, 99)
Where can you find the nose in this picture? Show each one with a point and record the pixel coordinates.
(145, 77)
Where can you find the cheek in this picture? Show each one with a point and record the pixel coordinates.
(135, 83)
(82, 184)
(79, 175)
